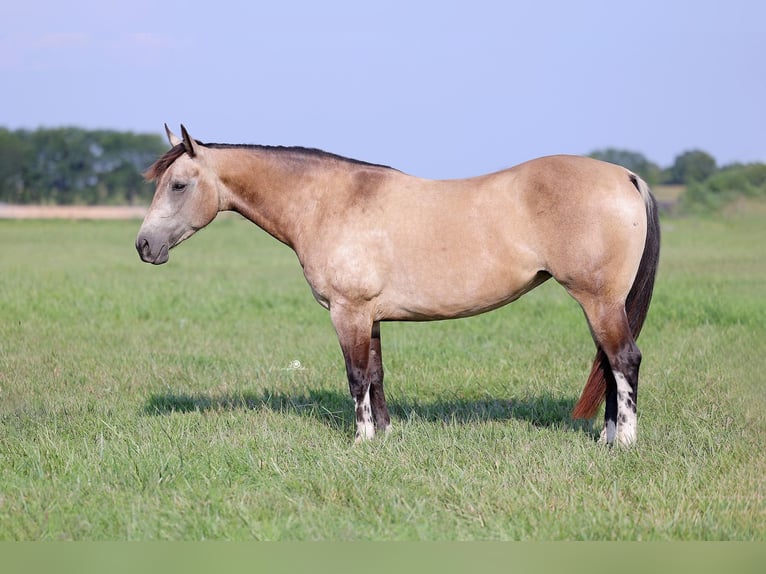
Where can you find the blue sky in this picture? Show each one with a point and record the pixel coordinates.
(437, 89)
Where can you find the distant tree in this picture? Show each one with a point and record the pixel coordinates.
(632, 160)
(72, 165)
(691, 166)
(12, 154)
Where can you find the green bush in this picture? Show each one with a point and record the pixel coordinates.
(725, 186)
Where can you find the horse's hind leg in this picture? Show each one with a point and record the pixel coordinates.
(611, 332)
(620, 419)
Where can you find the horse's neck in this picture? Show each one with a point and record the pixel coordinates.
(278, 194)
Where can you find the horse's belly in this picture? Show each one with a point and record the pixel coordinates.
(452, 293)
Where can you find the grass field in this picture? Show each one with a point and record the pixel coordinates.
(142, 403)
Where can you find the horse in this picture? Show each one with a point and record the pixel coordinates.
(377, 245)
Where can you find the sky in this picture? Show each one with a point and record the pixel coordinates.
(437, 89)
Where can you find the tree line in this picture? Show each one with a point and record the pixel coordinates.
(89, 167)
(76, 166)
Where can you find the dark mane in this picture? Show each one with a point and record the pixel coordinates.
(155, 171)
(297, 151)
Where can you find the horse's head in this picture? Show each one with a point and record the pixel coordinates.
(186, 198)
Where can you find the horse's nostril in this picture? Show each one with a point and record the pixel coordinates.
(142, 246)
(148, 252)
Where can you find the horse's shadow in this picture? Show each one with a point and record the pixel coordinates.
(335, 409)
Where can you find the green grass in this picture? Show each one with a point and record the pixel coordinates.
(145, 403)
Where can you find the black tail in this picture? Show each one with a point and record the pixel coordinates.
(636, 305)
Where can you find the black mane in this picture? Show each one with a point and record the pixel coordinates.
(159, 167)
(296, 150)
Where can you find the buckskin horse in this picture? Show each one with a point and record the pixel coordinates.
(376, 244)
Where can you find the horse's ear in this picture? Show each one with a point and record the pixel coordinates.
(189, 143)
(172, 138)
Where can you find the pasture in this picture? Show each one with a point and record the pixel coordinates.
(207, 399)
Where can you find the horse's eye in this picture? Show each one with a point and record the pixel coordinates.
(178, 186)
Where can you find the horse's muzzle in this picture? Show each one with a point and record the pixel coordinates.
(148, 255)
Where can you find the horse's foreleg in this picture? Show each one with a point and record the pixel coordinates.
(375, 370)
(354, 334)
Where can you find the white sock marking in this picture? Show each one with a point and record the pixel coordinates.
(365, 429)
(626, 417)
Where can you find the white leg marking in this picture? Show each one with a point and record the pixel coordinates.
(365, 429)
(626, 415)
